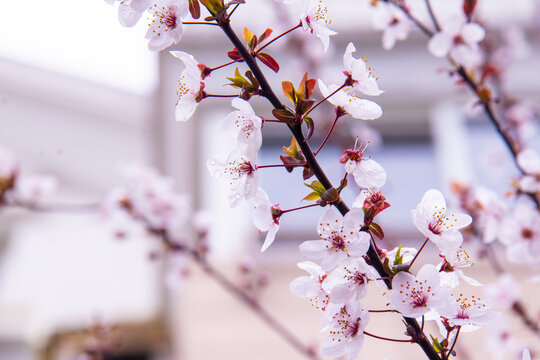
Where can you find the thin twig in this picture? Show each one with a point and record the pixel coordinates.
(453, 344)
(277, 37)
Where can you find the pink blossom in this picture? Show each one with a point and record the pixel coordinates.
(130, 11)
(415, 296)
(349, 99)
(393, 23)
(459, 39)
(245, 126)
(266, 217)
(341, 238)
(314, 20)
(450, 269)
(360, 73)
(346, 324)
(311, 286)
(349, 280)
(504, 292)
(240, 172)
(463, 311)
(190, 86)
(32, 188)
(166, 27)
(433, 220)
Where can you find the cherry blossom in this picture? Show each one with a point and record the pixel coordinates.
(349, 280)
(491, 212)
(463, 311)
(450, 268)
(459, 39)
(349, 99)
(346, 324)
(266, 217)
(505, 292)
(415, 296)
(522, 115)
(360, 73)
(166, 27)
(32, 188)
(433, 220)
(240, 171)
(130, 11)
(149, 196)
(245, 126)
(341, 238)
(521, 233)
(311, 286)
(367, 172)
(529, 161)
(393, 23)
(190, 86)
(314, 20)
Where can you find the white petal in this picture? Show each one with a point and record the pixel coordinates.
(369, 174)
(313, 249)
(472, 33)
(440, 44)
(304, 287)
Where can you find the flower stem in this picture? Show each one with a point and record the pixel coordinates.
(199, 23)
(240, 294)
(220, 95)
(418, 253)
(232, 12)
(221, 66)
(407, 13)
(453, 344)
(279, 165)
(326, 98)
(299, 208)
(327, 135)
(385, 338)
(382, 311)
(432, 16)
(277, 37)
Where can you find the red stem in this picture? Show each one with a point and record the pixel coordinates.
(327, 135)
(418, 253)
(299, 208)
(221, 66)
(387, 339)
(326, 98)
(277, 37)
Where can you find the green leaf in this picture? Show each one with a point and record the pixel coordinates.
(376, 229)
(317, 187)
(294, 150)
(238, 81)
(214, 6)
(436, 344)
(312, 197)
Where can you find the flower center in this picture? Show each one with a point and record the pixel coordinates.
(338, 242)
(527, 233)
(164, 18)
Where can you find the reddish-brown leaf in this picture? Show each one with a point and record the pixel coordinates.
(268, 61)
(194, 9)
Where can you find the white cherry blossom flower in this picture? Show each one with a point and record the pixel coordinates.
(459, 39)
(245, 126)
(190, 86)
(526, 355)
(241, 173)
(367, 172)
(314, 20)
(166, 26)
(415, 296)
(467, 311)
(521, 233)
(349, 281)
(346, 323)
(266, 217)
(361, 74)
(491, 213)
(311, 287)
(349, 99)
(130, 11)
(341, 238)
(433, 220)
(529, 161)
(393, 23)
(450, 269)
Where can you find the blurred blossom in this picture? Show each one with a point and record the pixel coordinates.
(499, 340)
(8, 164)
(392, 22)
(522, 115)
(32, 188)
(505, 292)
(367, 135)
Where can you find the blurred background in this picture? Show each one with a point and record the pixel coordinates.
(81, 96)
